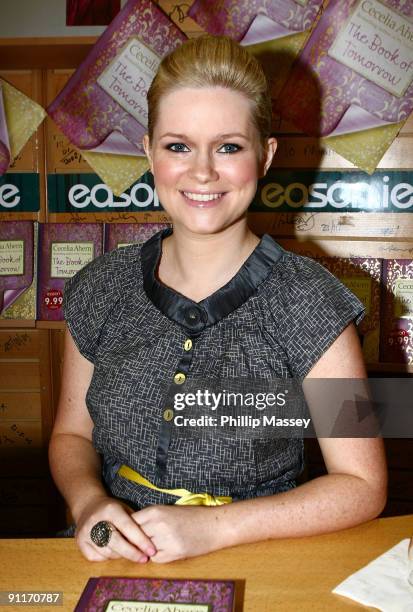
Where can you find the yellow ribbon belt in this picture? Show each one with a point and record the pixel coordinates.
(186, 498)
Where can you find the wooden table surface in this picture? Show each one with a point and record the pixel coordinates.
(294, 574)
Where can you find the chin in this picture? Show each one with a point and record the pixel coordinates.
(205, 226)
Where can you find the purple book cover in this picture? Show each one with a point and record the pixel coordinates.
(234, 17)
(64, 248)
(344, 54)
(353, 82)
(103, 108)
(122, 234)
(16, 260)
(107, 593)
(396, 341)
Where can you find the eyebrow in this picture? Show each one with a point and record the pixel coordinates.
(218, 136)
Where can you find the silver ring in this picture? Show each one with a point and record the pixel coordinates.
(101, 533)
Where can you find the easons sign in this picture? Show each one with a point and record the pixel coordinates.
(280, 190)
(19, 192)
(68, 193)
(140, 195)
(9, 196)
(335, 191)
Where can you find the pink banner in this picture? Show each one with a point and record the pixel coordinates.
(341, 67)
(103, 106)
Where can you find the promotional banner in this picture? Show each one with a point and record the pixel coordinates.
(358, 67)
(102, 109)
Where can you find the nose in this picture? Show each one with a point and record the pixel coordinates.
(203, 168)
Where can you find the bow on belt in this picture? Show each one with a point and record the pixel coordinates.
(186, 498)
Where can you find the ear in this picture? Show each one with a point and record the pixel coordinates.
(147, 147)
(269, 154)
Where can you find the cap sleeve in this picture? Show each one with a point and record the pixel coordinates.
(314, 307)
(87, 301)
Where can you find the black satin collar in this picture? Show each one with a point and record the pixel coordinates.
(196, 316)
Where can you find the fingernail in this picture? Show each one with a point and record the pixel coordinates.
(143, 559)
(150, 551)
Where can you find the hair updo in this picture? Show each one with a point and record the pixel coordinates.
(213, 61)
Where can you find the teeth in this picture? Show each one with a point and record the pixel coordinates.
(202, 197)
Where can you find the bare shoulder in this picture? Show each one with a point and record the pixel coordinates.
(343, 358)
(72, 414)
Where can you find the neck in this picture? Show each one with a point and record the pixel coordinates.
(197, 265)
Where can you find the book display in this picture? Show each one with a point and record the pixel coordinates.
(64, 249)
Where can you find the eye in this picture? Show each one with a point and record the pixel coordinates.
(229, 148)
(177, 147)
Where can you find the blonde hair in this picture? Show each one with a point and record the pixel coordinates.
(213, 61)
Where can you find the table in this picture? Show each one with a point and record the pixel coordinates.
(286, 575)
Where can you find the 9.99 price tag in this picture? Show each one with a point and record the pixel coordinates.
(53, 299)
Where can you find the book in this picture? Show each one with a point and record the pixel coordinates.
(363, 277)
(396, 339)
(123, 234)
(64, 248)
(352, 84)
(156, 595)
(102, 109)
(18, 242)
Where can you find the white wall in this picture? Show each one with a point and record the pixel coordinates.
(38, 18)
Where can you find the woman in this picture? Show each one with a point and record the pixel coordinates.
(209, 300)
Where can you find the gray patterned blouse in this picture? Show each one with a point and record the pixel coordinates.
(275, 318)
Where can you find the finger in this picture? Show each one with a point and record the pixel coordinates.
(122, 547)
(135, 535)
(112, 554)
(115, 555)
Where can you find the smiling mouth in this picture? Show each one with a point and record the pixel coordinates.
(202, 197)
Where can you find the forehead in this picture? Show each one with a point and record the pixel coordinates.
(205, 109)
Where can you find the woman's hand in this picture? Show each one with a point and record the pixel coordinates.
(179, 532)
(127, 539)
